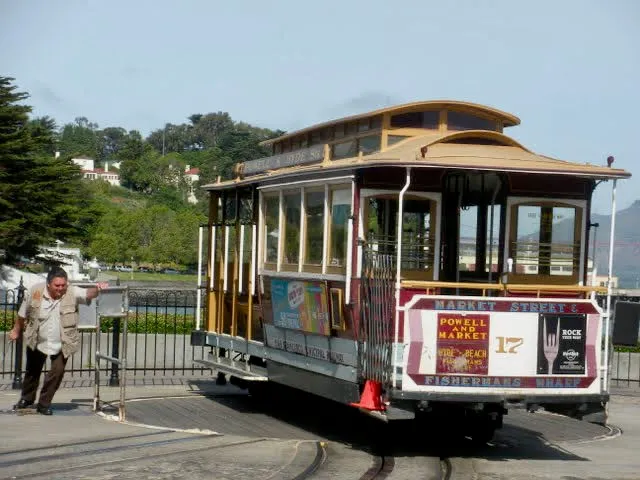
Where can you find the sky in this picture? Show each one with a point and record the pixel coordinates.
(569, 69)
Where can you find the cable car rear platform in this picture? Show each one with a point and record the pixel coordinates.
(243, 353)
(235, 367)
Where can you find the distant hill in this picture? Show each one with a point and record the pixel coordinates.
(626, 254)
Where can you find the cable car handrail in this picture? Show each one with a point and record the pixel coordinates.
(558, 288)
(432, 284)
(505, 287)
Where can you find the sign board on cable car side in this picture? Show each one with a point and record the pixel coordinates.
(303, 156)
(466, 344)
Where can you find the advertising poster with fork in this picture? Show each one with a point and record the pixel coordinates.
(561, 344)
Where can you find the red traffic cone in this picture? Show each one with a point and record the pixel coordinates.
(371, 398)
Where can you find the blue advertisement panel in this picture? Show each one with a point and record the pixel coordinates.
(300, 305)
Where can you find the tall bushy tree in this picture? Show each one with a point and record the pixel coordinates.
(43, 132)
(42, 198)
(154, 233)
(15, 152)
(79, 138)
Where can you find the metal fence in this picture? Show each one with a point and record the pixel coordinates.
(160, 323)
(158, 343)
(625, 361)
(377, 309)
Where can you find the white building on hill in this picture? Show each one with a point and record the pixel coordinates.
(192, 175)
(87, 165)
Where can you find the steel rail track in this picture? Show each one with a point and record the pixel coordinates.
(381, 468)
(91, 465)
(446, 468)
(75, 444)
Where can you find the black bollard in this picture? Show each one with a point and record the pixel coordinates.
(114, 381)
(17, 374)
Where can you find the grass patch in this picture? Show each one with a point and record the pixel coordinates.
(156, 323)
(160, 323)
(621, 348)
(154, 277)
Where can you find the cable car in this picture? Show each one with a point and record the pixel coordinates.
(408, 261)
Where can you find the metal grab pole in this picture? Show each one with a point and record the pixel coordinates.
(17, 373)
(123, 365)
(114, 381)
(349, 266)
(493, 201)
(96, 367)
(398, 270)
(593, 259)
(609, 288)
(198, 292)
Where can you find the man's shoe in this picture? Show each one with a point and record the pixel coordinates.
(44, 410)
(23, 404)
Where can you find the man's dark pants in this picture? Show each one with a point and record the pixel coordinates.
(52, 380)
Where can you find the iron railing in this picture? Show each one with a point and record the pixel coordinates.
(158, 343)
(161, 321)
(378, 308)
(624, 362)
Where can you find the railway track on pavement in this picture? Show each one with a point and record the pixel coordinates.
(169, 454)
(328, 466)
(246, 438)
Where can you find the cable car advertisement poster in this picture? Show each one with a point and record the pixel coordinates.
(463, 344)
(494, 344)
(561, 344)
(300, 305)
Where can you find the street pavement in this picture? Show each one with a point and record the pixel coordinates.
(192, 428)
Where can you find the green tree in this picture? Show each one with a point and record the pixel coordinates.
(133, 146)
(43, 132)
(152, 233)
(111, 241)
(139, 172)
(110, 141)
(79, 138)
(42, 198)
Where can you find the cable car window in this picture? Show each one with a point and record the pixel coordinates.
(393, 139)
(466, 121)
(369, 144)
(429, 120)
(344, 150)
(291, 229)
(545, 238)
(314, 227)
(340, 211)
(272, 230)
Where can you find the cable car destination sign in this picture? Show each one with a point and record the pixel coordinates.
(290, 159)
(501, 343)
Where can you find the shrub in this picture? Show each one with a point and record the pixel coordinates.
(156, 323)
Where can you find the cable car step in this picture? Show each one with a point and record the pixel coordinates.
(238, 369)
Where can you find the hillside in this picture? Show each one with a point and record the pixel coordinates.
(626, 256)
(626, 253)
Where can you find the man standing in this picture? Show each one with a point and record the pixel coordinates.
(49, 316)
